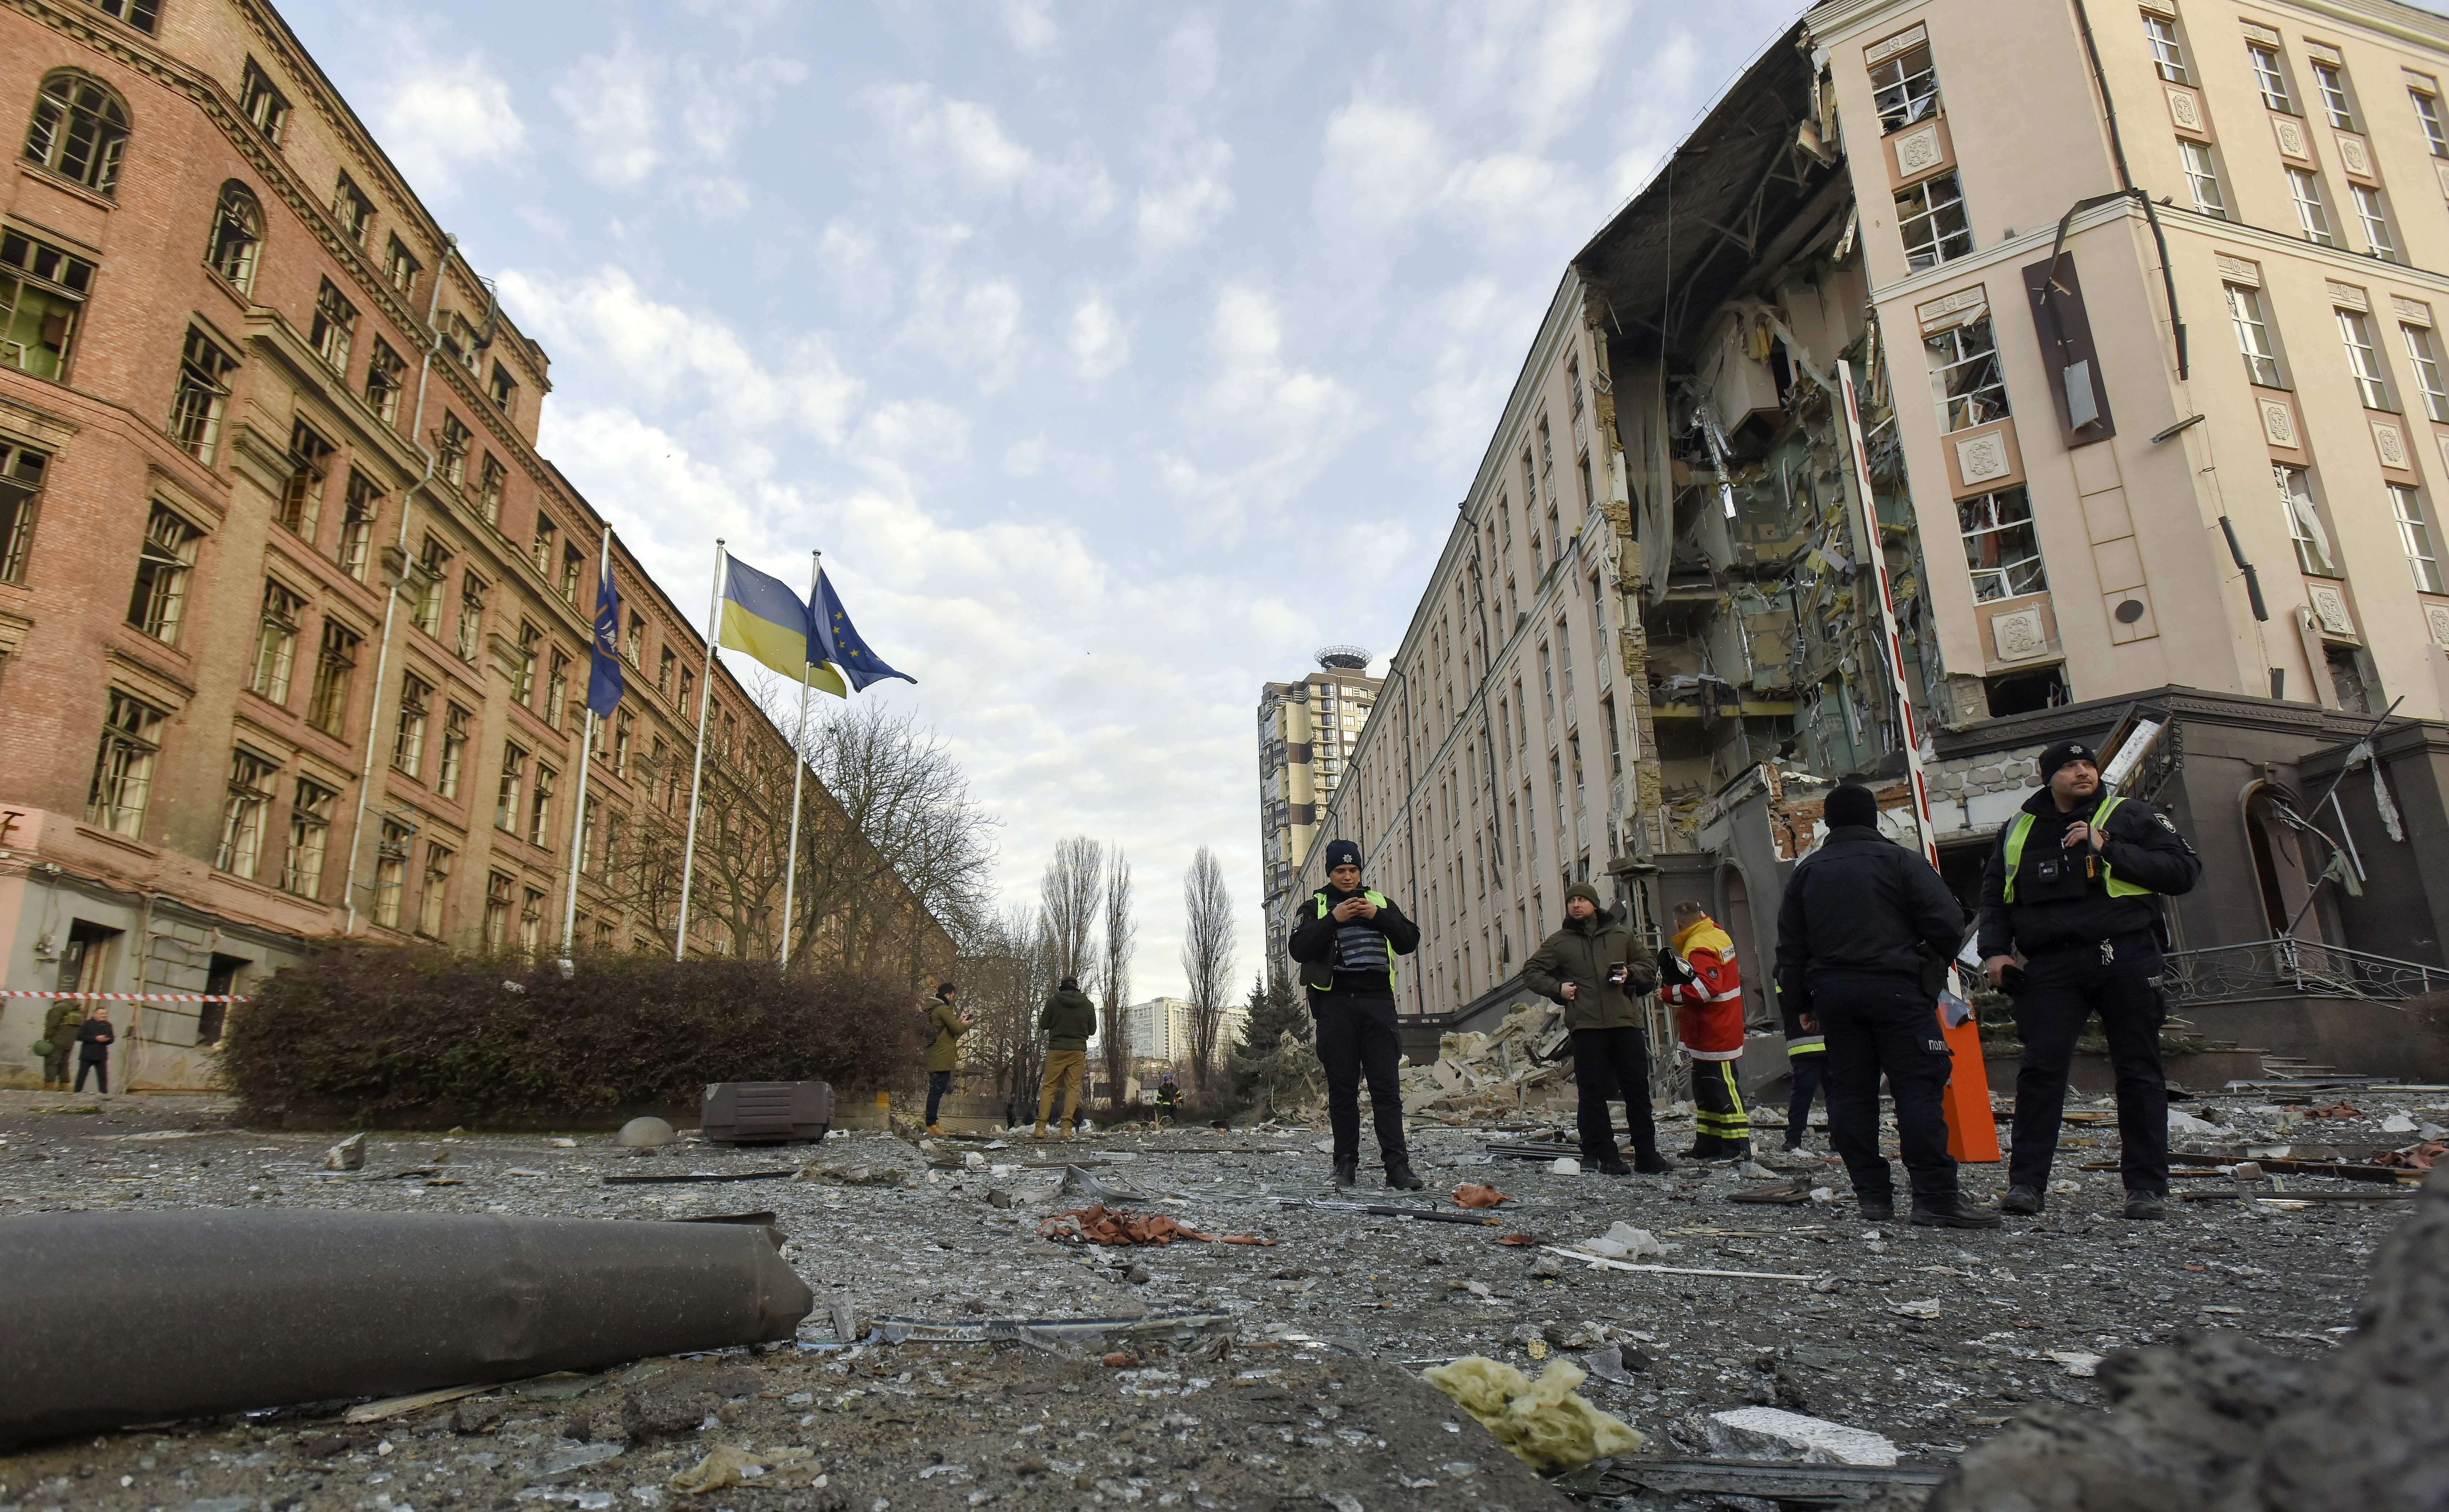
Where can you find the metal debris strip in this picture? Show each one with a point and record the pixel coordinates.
(1170, 1328)
(1079, 1185)
(1786, 1484)
(1602, 1262)
(699, 1176)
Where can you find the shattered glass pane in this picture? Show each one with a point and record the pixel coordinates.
(2000, 548)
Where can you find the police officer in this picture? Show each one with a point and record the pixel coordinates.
(1345, 945)
(2072, 886)
(1592, 966)
(1863, 937)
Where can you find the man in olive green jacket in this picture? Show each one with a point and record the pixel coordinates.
(947, 1024)
(1068, 1019)
(1595, 968)
(60, 1031)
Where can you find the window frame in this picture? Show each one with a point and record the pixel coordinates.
(235, 249)
(199, 395)
(2365, 360)
(125, 764)
(1945, 392)
(352, 208)
(313, 808)
(2273, 78)
(2415, 538)
(280, 617)
(2312, 213)
(1998, 528)
(2202, 169)
(165, 562)
(386, 381)
(330, 693)
(334, 329)
(1894, 99)
(2372, 218)
(23, 473)
(2316, 550)
(2427, 363)
(64, 290)
(2331, 88)
(2251, 330)
(262, 102)
(1936, 253)
(70, 105)
(246, 812)
(2168, 48)
(2428, 117)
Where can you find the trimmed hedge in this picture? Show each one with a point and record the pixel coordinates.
(377, 1033)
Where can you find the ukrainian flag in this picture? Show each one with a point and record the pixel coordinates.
(769, 621)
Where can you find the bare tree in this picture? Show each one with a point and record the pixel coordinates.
(1114, 972)
(1207, 956)
(1068, 903)
(1005, 972)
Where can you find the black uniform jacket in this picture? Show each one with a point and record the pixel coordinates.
(1313, 942)
(2142, 847)
(1861, 905)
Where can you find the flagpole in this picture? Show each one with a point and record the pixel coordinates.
(799, 760)
(697, 773)
(585, 750)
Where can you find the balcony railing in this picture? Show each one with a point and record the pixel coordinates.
(2264, 969)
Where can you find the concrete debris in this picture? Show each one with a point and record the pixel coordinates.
(2413, 1158)
(1622, 1241)
(645, 1134)
(2077, 1362)
(1771, 1434)
(2215, 1424)
(349, 1155)
(858, 1173)
(1543, 1423)
(2398, 1123)
(1566, 1165)
(1496, 1074)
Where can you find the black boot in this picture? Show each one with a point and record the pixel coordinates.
(1951, 1212)
(1400, 1177)
(1347, 1170)
(1650, 1162)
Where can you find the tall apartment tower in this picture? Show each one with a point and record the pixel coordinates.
(1306, 731)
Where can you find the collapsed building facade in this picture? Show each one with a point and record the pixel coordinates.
(1970, 378)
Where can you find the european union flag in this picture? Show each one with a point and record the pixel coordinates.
(604, 684)
(841, 643)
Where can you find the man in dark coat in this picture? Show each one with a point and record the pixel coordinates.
(94, 1039)
(1863, 937)
(1346, 944)
(2073, 885)
(1596, 969)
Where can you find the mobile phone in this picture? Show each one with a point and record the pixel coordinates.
(1616, 973)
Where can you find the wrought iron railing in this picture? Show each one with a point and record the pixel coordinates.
(2264, 968)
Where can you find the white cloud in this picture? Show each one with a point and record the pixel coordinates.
(1100, 343)
(971, 325)
(963, 139)
(1029, 26)
(848, 253)
(1191, 196)
(1274, 425)
(437, 117)
(1039, 456)
(613, 102)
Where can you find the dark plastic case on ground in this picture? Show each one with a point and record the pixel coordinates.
(765, 1111)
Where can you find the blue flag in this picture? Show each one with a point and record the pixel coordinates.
(603, 685)
(841, 641)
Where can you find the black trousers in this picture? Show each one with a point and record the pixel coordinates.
(2061, 991)
(1887, 1025)
(1808, 1070)
(938, 1083)
(1357, 1038)
(1612, 1062)
(101, 1070)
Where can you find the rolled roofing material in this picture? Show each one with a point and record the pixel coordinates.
(137, 1317)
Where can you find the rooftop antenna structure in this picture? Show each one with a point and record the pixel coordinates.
(1343, 657)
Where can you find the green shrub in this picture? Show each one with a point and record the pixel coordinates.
(378, 1033)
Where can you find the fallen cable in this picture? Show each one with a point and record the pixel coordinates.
(699, 1176)
(1602, 1262)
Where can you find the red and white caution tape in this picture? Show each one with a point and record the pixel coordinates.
(124, 997)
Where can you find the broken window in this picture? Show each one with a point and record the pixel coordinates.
(540, 808)
(1930, 217)
(386, 379)
(199, 395)
(2305, 524)
(461, 340)
(504, 389)
(2351, 677)
(624, 727)
(2253, 336)
(245, 811)
(408, 742)
(2311, 218)
(574, 562)
(354, 550)
(490, 481)
(2270, 74)
(2000, 547)
(2363, 360)
(400, 266)
(452, 449)
(556, 690)
(437, 888)
(160, 598)
(21, 483)
(497, 911)
(1964, 377)
(530, 640)
(2428, 370)
(513, 790)
(2374, 217)
(390, 873)
(456, 722)
(531, 920)
(137, 13)
(2427, 115)
(471, 616)
(540, 549)
(237, 236)
(665, 667)
(336, 325)
(336, 665)
(42, 302)
(310, 838)
(688, 687)
(79, 131)
(123, 769)
(1905, 89)
(2201, 175)
(431, 576)
(2415, 534)
(276, 643)
(262, 104)
(351, 207)
(2330, 84)
(2167, 54)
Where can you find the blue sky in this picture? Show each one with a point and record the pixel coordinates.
(1116, 356)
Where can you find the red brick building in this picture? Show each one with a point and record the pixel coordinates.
(294, 619)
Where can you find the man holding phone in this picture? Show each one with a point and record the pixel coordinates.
(1345, 945)
(2073, 885)
(1594, 969)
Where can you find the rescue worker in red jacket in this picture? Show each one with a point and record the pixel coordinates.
(1698, 976)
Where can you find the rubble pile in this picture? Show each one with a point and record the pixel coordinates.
(1482, 1077)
